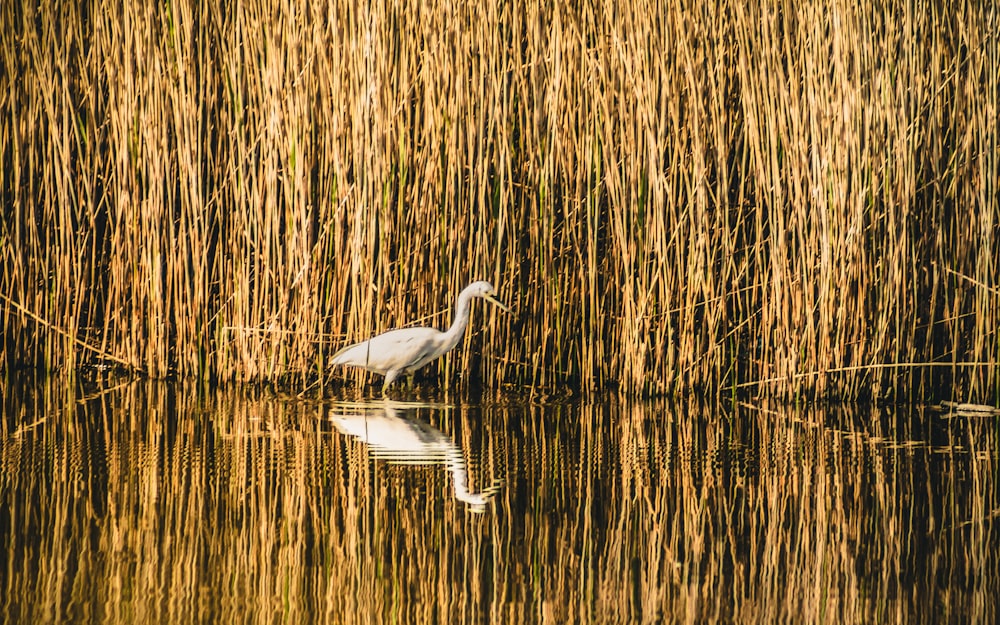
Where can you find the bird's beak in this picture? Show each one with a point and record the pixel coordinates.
(496, 303)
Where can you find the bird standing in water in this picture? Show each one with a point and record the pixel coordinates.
(401, 352)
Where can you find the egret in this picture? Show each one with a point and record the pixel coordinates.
(403, 351)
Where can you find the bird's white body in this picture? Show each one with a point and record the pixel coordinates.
(403, 351)
(396, 352)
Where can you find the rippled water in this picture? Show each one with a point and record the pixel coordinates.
(154, 502)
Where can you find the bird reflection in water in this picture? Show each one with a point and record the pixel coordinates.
(394, 434)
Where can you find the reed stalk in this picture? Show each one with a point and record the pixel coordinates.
(797, 198)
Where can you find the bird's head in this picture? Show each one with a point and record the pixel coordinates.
(485, 290)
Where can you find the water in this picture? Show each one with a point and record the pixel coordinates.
(154, 502)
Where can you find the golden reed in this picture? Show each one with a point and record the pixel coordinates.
(788, 198)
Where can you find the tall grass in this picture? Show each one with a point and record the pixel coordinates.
(786, 198)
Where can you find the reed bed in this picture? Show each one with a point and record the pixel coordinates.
(152, 502)
(784, 198)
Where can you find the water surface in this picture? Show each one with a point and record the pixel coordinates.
(164, 502)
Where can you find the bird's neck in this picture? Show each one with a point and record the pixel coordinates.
(457, 329)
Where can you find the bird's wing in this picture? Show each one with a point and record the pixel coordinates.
(396, 349)
(409, 347)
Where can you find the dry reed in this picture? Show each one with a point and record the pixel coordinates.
(785, 197)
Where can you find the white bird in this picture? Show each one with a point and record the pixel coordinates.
(403, 351)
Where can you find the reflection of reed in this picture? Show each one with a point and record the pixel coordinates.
(393, 435)
(164, 503)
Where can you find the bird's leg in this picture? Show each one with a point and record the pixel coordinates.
(409, 382)
(390, 377)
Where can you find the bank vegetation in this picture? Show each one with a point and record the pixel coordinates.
(783, 197)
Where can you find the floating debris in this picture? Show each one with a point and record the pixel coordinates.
(956, 409)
